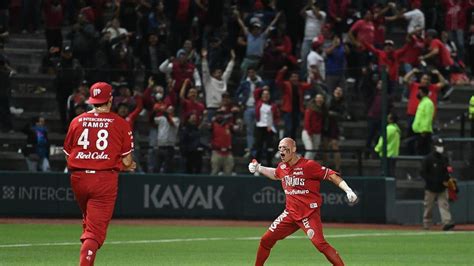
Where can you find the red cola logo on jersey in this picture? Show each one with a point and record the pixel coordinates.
(92, 155)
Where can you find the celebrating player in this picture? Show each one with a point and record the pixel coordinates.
(97, 146)
(300, 178)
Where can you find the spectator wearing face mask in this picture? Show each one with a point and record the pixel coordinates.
(156, 103)
(435, 173)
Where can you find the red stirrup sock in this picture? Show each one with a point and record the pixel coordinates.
(262, 255)
(332, 256)
(88, 251)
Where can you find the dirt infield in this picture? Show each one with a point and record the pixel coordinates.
(197, 222)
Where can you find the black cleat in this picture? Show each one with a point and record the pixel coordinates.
(448, 227)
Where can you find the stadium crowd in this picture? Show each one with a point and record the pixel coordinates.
(262, 68)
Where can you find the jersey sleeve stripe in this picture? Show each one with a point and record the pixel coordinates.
(125, 153)
(67, 153)
(326, 173)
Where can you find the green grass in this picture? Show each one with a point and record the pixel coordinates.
(230, 246)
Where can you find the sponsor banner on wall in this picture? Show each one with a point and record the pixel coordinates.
(36, 194)
(186, 196)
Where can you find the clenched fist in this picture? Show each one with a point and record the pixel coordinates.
(253, 166)
(351, 196)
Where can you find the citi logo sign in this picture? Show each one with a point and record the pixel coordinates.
(96, 92)
(269, 195)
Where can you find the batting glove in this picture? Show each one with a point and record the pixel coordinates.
(254, 166)
(351, 196)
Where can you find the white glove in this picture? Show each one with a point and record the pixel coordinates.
(351, 196)
(254, 166)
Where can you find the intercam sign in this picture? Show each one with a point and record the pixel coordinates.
(37, 193)
(178, 197)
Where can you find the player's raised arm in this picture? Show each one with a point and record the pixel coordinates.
(336, 179)
(269, 172)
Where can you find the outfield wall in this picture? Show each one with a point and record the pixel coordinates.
(25, 194)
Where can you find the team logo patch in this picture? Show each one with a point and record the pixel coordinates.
(310, 233)
(283, 166)
(96, 92)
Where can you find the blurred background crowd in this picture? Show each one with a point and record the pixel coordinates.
(201, 72)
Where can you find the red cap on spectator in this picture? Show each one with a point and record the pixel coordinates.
(100, 92)
(318, 41)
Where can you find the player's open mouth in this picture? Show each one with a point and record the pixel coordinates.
(282, 155)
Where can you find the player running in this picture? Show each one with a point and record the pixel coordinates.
(97, 146)
(300, 178)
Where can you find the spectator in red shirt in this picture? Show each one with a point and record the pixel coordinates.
(314, 117)
(456, 21)
(379, 24)
(363, 31)
(123, 110)
(53, 11)
(190, 104)
(413, 100)
(389, 58)
(180, 69)
(414, 49)
(338, 11)
(292, 105)
(221, 143)
(438, 55)
(425, 80)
